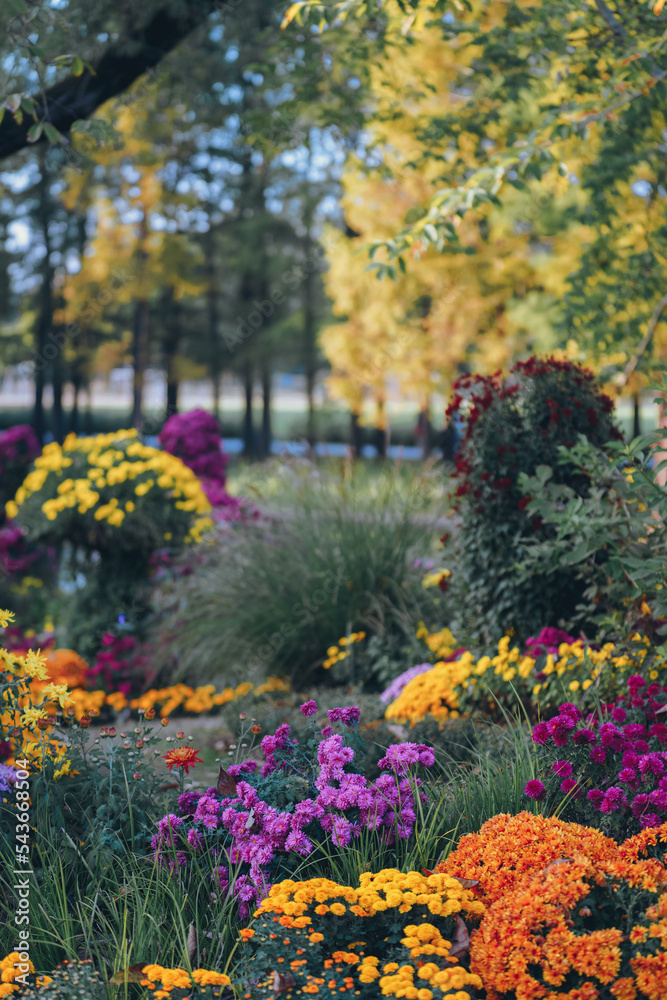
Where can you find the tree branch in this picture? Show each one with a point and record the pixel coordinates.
(123, 62)
(611, 19)
(645, 341)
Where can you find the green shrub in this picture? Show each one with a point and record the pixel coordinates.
(512, 427)
(107, 504)
(279, 592)
(611, 534)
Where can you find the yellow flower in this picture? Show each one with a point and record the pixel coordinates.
(6, 618)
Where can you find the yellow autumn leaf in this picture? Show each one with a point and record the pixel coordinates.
(294, 9)
(657, 7)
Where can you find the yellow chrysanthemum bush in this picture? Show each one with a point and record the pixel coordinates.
(114, 501)
(28, 704)
(394, 934)
(541, 677)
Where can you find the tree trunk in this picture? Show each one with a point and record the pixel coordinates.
(213, 323)
(309, 323)
(43, 352)
(381, 435)
(248, 428)
(356, 436)
(425, 432)
(57, 421)
(140, 359)
(636, 415)
(172, 396)
(266, 409)
(74, 412)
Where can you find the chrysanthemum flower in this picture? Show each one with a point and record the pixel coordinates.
(185, 757)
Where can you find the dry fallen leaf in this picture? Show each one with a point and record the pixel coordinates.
(282, 983)
(461, 943)
(226, 784)
(192, 943)
(131, 975)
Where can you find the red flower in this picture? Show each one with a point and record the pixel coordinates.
(185, 757)
(523, 502)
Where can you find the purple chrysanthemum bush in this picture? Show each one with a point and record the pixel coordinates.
(249, 840)
(607, 768)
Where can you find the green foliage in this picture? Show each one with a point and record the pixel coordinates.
(608, 529)
(512, 427)
(107, 503)
(286, 589)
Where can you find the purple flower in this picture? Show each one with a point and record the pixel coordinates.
(651, 763)
(584, 736)
(7, 777)
(401, 756)
(560, 728)
(562, 768)
(598, 755)
(611, 737)
(634, 730)
(635, 682)
(541, 733)
(535, 790)
(568, 785)
(639, 804)
(309, 707)
(618, 714)
(614, 800)
(246, 767)
(326, 732)
(350, 716)
(335, 714)
(567, 708)
(195, 839)
(649, 819)
(595, 796)
(627, 776)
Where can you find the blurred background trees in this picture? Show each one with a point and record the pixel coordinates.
(211, 191)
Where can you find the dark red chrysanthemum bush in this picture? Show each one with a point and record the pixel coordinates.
(513, 425)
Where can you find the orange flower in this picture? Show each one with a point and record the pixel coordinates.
(246, 933)
(185, 757)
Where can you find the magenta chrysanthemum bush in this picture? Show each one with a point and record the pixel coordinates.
(248, 837)
(611, 767)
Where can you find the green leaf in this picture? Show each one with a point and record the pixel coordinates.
(52, 133)
(77, 66)
(35, 132)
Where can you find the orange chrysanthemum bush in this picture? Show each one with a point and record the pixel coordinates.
(509, 848)
(570, 914)
(400, 935)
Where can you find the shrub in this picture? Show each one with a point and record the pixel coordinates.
(512, 427)
(108, 502)
(580, 928)
(308, 800)
(612, 534)
(610, 769)
(367, 939)
(289, 587)
(508, 849)
(492, 684)
(18, 449)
